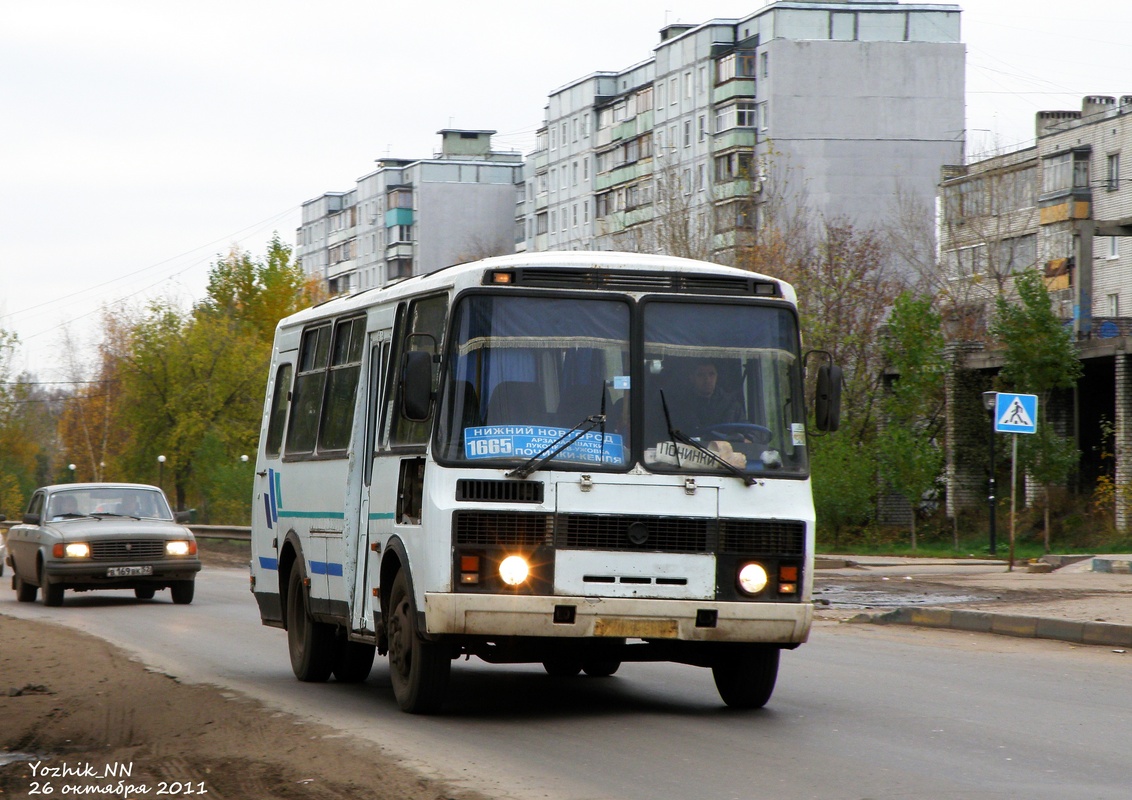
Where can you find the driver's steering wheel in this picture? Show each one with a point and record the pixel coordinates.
(739, 432)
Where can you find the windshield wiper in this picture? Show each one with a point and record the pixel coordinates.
(542, 456)
(101, 514)
(682, 438)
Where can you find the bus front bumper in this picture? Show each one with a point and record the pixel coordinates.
(581, 617)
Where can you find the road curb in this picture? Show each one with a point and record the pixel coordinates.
(1099, 633)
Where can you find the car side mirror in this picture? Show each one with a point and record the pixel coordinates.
(184, 516)
(31, 519)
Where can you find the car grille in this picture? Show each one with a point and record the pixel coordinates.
(127, 550)
(632, 533)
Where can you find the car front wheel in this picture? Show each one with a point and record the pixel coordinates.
(52, 592)
(25, 592)
(182, 592)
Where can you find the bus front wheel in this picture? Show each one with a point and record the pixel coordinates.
(310, 643)
(745, 676)
(418, 669)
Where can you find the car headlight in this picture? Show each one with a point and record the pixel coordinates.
(72, 550)
(180, 547)
(752, 578)
(514, 570)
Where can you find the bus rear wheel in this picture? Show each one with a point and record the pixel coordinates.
(310, 643)
(418, 669)
(745, 676)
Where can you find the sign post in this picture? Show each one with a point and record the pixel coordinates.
(1015, 413)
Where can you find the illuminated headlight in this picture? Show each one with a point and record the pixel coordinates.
(77, 550)
(514, 570)
(752, 578)
(180, 548)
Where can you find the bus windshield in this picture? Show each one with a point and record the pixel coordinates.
(529, 376)
(523, 372)
(722, 389)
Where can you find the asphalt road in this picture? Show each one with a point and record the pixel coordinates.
(860, 712)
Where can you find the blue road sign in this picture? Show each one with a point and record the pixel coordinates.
(1016, 413)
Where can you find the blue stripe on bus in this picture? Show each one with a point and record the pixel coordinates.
(382, 515)
(277, 497)
(268, 563)
(267, 511)
(326, 568)
(272, 514)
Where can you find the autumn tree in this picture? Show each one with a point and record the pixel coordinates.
(192, 382)
(908, 448)
(1039, 357)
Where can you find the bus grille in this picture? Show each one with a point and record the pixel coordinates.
(617, 532)
(127, 550)
(503, 528)
(631, 533)
(642, 281)
(499, 491)
(762, 537)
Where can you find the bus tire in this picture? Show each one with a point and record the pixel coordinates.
(418, 669)
(600, 667)
(745, 676)
(354, 661)
(562, 666)
(310, 643)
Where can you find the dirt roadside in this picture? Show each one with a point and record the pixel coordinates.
(77, 714)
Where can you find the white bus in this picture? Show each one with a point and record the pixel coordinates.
(574, 459)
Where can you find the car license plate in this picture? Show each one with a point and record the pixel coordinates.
(128, 572)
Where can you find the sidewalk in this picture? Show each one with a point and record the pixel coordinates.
(1086, 602)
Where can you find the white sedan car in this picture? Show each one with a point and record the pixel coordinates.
(84, 536)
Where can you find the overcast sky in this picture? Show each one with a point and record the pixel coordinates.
(139, 140)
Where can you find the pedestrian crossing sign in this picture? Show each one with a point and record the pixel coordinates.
(1016, 413)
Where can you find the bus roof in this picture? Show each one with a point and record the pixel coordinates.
(469, 274)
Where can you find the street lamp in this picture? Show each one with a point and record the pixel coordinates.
(71, 467)
(244, 459)
(989, 401)
(161, 472)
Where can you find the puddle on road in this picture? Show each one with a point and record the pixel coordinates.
(16, 758)
(837, 596)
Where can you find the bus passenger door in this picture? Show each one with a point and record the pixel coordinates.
(373, 521)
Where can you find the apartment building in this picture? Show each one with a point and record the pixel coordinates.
(413, 216)
(849, 107)
(1063, 206)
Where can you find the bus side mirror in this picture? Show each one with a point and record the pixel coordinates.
(416, 385)
(827, 403)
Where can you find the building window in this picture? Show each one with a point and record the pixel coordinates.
(574, 169)
(703, 127)
(764, 64)
(736, 115)
(673, 91)
(740, 64)
(1113, 178)
(585, 211)
(585, 169)
(1113, 247)
(688, 93)
(1065, 171)
(687, 133)
(540, 224)
(1114, 305)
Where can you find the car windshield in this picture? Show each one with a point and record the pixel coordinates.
(525, 371)
(121, 501)
(722, 389)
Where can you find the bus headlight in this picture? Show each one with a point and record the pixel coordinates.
(752, 578)
(514, 570)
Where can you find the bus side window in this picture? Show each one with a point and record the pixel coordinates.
(425, 316)
(345, 366)
(280, 393)
(306, 397)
